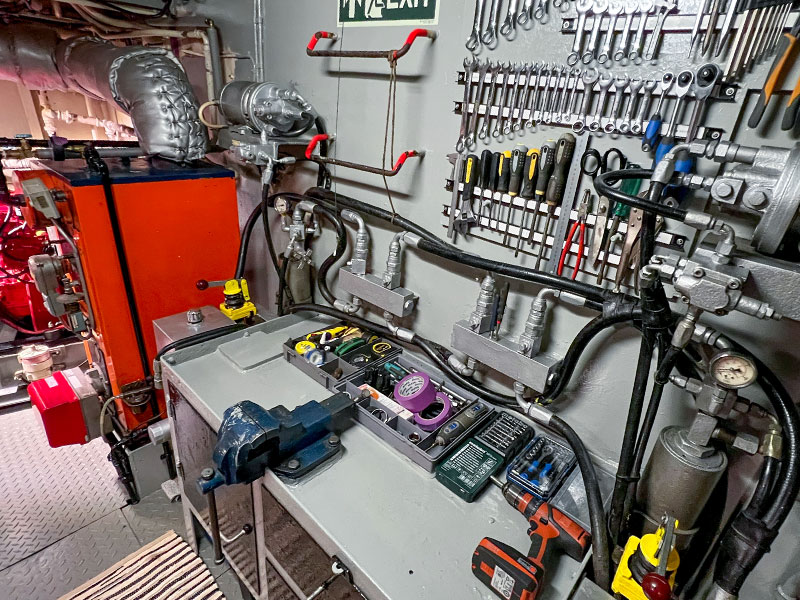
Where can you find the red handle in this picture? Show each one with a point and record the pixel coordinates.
(317, 37)
(402, 158)
(581, 245)
(428, 33)
(320, 137)
(565, 251)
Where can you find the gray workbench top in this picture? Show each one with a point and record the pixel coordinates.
(385, 517)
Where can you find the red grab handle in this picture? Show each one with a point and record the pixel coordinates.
(317, 37)
(320, 137)
(428, 33)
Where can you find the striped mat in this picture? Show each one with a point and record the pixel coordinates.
(165, 569)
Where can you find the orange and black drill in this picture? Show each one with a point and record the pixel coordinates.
(514, 576)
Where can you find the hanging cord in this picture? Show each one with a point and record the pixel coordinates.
(391, 108)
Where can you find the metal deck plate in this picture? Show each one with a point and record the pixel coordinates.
(48, 493)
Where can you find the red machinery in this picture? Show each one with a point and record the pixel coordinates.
(125, 248)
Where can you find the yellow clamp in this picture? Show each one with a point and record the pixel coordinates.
(237, 304)
(624, 584)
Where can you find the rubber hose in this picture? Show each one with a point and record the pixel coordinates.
(341, 246)
(769, 469)
(423, 344)
(323, 178)
(283, 286)
(247, 231)
(603, 185)
(198, 338)
(601, 556)
(567, 365)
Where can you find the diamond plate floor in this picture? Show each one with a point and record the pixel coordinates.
(48, 493)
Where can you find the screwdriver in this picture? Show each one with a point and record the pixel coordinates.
(503, 181)
(556, 184)
(784, 59)
(547, 160)
(494, 181)
(514, 183)
(485, 183)
(527, 191)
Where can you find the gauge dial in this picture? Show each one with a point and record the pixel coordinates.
(732, 370)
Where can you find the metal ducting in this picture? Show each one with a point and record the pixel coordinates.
(147, 83)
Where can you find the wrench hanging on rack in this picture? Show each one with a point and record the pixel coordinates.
(469, 69)
(489, 35)
(474, 39)
(637, 44)
(663, 8)
(599, 8)
(476, 104)
(509, 28)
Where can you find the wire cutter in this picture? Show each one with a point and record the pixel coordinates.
(579, 228)
(784, 59)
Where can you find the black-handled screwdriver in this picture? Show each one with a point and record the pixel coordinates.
(514, 184)
(547, 161)
(485, 183)
(565, 147)
(527, 190)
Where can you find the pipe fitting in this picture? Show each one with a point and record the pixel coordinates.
(480, 319)
(158, 382)
(394, 262)
(461, 367)
(358, 263)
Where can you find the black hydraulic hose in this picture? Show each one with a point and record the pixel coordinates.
(283, 286)
(97, 164)
(769, 470)
(199, 338)
(585, 290)
(626, 454)
(601, 556)
(247, 232)
(604, 186)
(341, 246)
(427, 346)
(566, 366)
(323, 177)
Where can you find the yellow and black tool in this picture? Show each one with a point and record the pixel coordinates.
(237, 304)
(526, 192)
(644, 572)
(784, 59)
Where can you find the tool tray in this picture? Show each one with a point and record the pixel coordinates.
(336, 368)
(398, 428)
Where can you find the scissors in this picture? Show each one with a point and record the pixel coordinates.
(601, 162)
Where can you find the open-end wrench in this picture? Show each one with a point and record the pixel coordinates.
(489, 35)
(558, 89)
(509, 27)
(605, 83)
(498, 125)
(638, 123)
(631, 6)
(524, 97)
(526, 14)
(615, 8)
(515, 91)
(566, 99)
(599, 7)
(663, 8)
(620, 83)
(637, 44)
(476, 103)
(549, 85)
(474, 39)
(573, 101)
(541, 73)
(484, 132)
(624, 124)
(589, 78)
(583, 7)
(702, 9)
(469, 69)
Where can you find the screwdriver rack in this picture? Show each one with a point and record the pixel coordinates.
(566, 110)
(495, 229)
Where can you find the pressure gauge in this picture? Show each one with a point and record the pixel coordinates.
(733, 370)
(281, 206)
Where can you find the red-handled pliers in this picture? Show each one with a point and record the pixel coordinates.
(578, 227)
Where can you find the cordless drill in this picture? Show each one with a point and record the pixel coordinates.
(514, 576)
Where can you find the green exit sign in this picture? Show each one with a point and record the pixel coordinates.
(388, 12)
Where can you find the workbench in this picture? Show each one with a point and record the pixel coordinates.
(400, 532)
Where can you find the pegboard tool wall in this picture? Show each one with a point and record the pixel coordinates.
(352, 96)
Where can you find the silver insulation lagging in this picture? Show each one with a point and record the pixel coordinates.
(147, 83)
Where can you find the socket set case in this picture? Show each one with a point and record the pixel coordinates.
(395, 425)
(336, 368)
(542, 466)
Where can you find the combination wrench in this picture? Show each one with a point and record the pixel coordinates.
(704, 82)
(474, 39)
(507, 128)
(620, 83)
(476, 103)
(583, 7)
(624, 124)
(589, 78)
(638, 123)
(663, 8)
(497, 130)
(509, 27)
(469, 69)
(524, 101)
(637, 44)
(599, 7)
(526, 14)
(540, 72)
(605, 83)
(566, 97)
(615, 8)
(489, 36)
(573, 99)
(631, 6)
(484, 132)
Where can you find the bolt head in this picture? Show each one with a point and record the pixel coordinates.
(733, 284)
(699, 272)
(723, 189)
(293, 464)
(194, 316)
(207, 474)
(334, 441)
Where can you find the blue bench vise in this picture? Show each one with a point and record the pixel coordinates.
(252, 439)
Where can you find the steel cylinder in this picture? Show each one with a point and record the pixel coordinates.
(679, 478)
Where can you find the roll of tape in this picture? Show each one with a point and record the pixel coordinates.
(415, 392)
(433, 423)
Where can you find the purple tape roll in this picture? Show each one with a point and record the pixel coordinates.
(438, 420)
(415, 392)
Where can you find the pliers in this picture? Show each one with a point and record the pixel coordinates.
(784, 59)
(579, 228)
